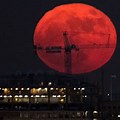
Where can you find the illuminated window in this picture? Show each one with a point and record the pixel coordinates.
(28, 88)
(54, 96)
(58, 95)
(26, 96)
(16, 88)
(82, 88)
(16, 95)
(49, 83)
(20, 96)
(74, 88)
(22, 88)
(62, 100)
(51, 88)
(37, 96)
(5, 96)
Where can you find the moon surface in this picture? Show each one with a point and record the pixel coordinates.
(89, 29)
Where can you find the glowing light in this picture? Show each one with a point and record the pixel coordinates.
(22, 88)
(119, 116)
(95, 111)
(37, 96)
(20, 96)
(10, 96)
(82, 88)
(28, 88)
(16, 96)
(26, 96)
(43, 96)
(54, 96)
(49, 83)
(58, 96)
(16, 88)
(74, 88)
(51, 88)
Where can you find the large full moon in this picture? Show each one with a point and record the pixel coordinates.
(75, 38)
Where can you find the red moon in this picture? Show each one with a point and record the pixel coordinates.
(89, 29)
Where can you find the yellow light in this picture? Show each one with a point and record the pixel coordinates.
(26, 96)
(16, 95)
(16, 99)
(45, 89)
(33, 91)
(54, 96)
(51, 88)
(37, 96)
(5, 96)
(6, 91)
(61, 100)
(20, 96)
(58, 96)
(22, 88)
(42, 95)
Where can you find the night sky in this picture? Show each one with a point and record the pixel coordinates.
(18, 19)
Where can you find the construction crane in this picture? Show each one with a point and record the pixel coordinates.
(68, 47)
(67, 56)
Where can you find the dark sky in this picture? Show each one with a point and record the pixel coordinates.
(18, 19)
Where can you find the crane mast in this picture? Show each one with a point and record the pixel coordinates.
(67, 54)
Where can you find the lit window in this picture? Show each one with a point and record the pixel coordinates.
(58, 96)
(1, 96)
(82, 88)
(26, 96)
(62, 100)
(51, 88)
(20, 96)
(95, 111)
(39, 89)
(28, 88)
(49, 83)
(16, 88)
(119, 116)
(32, 96)
(56, 88)
(64, 95)
(37, 96)
(78, 88)
(74, 88)
(54, 96)
(16, 95)
(46, 89)
(10, 96)
(22, 88)
(42, 95)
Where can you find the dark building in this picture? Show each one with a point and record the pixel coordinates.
(57, 95)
